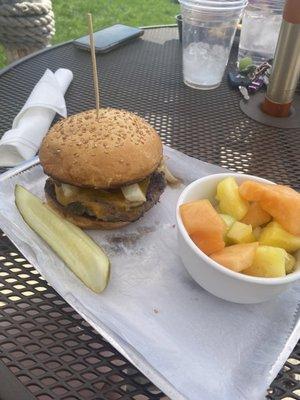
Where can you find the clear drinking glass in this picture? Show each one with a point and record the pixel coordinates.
(260, 29)
(208, 29)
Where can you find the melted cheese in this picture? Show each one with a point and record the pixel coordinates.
(95, 199)
(82, 195)
(96, 208)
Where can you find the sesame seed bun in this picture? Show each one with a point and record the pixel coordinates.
(117, 149)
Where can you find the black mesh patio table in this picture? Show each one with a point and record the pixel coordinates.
(47, 350)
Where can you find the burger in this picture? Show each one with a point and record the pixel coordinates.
(104, 171)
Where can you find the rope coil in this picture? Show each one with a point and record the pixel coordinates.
(25, 26)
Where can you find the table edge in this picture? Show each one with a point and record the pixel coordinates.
(44, 50)
(11, 388)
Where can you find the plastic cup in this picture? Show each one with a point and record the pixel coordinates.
(195, 4)
(208, 29)
(260, 30)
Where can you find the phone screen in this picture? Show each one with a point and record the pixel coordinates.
(109, 38)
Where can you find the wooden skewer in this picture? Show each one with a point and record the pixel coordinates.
(94, 63)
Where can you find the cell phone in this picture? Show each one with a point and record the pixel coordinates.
(109, 38)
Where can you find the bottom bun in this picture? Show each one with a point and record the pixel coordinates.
(83, 222)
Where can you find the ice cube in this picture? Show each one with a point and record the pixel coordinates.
(204, 64)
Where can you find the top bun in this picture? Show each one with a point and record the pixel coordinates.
(119, 148)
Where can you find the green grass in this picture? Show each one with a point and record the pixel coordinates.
(70, 16)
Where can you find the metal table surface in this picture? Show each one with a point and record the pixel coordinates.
(47, 350)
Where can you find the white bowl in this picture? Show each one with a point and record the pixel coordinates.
(216, 279)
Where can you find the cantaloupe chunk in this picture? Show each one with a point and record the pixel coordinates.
(240, 233)
(284, 210)
(283, 203)
(204, 225)
(274, 235)
(256, 216)
(290, 262)
(284, 189)
(237, 257)
(269, 262)
(230, 201)
(251, 190)
(207, 241)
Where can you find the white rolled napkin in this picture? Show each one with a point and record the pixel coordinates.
(32, 123)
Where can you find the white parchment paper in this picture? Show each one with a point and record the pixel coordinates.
(188, 342)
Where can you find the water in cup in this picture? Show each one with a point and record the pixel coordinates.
(208, 29)
(204, 61)
(260, 30)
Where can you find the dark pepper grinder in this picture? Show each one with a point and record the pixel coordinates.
(286, 66)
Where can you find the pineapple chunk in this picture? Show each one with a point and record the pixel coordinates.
(230, 200)
(269, 262)
(228, 219)
(274, 235)
(240, 233)
(290, 262)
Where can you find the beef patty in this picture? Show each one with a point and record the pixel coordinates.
(157, 184)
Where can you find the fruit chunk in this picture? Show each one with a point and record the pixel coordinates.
(237, 257)
(240, 233)
(230, 200)
(251, 190)
(283, 203)
(80, 253)
(204, 225)
(228, 219)
(290, 262)
(256, 216)
(269, 262)
(284, 189)
(274, 235)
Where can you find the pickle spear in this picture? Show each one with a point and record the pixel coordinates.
(79, 252)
